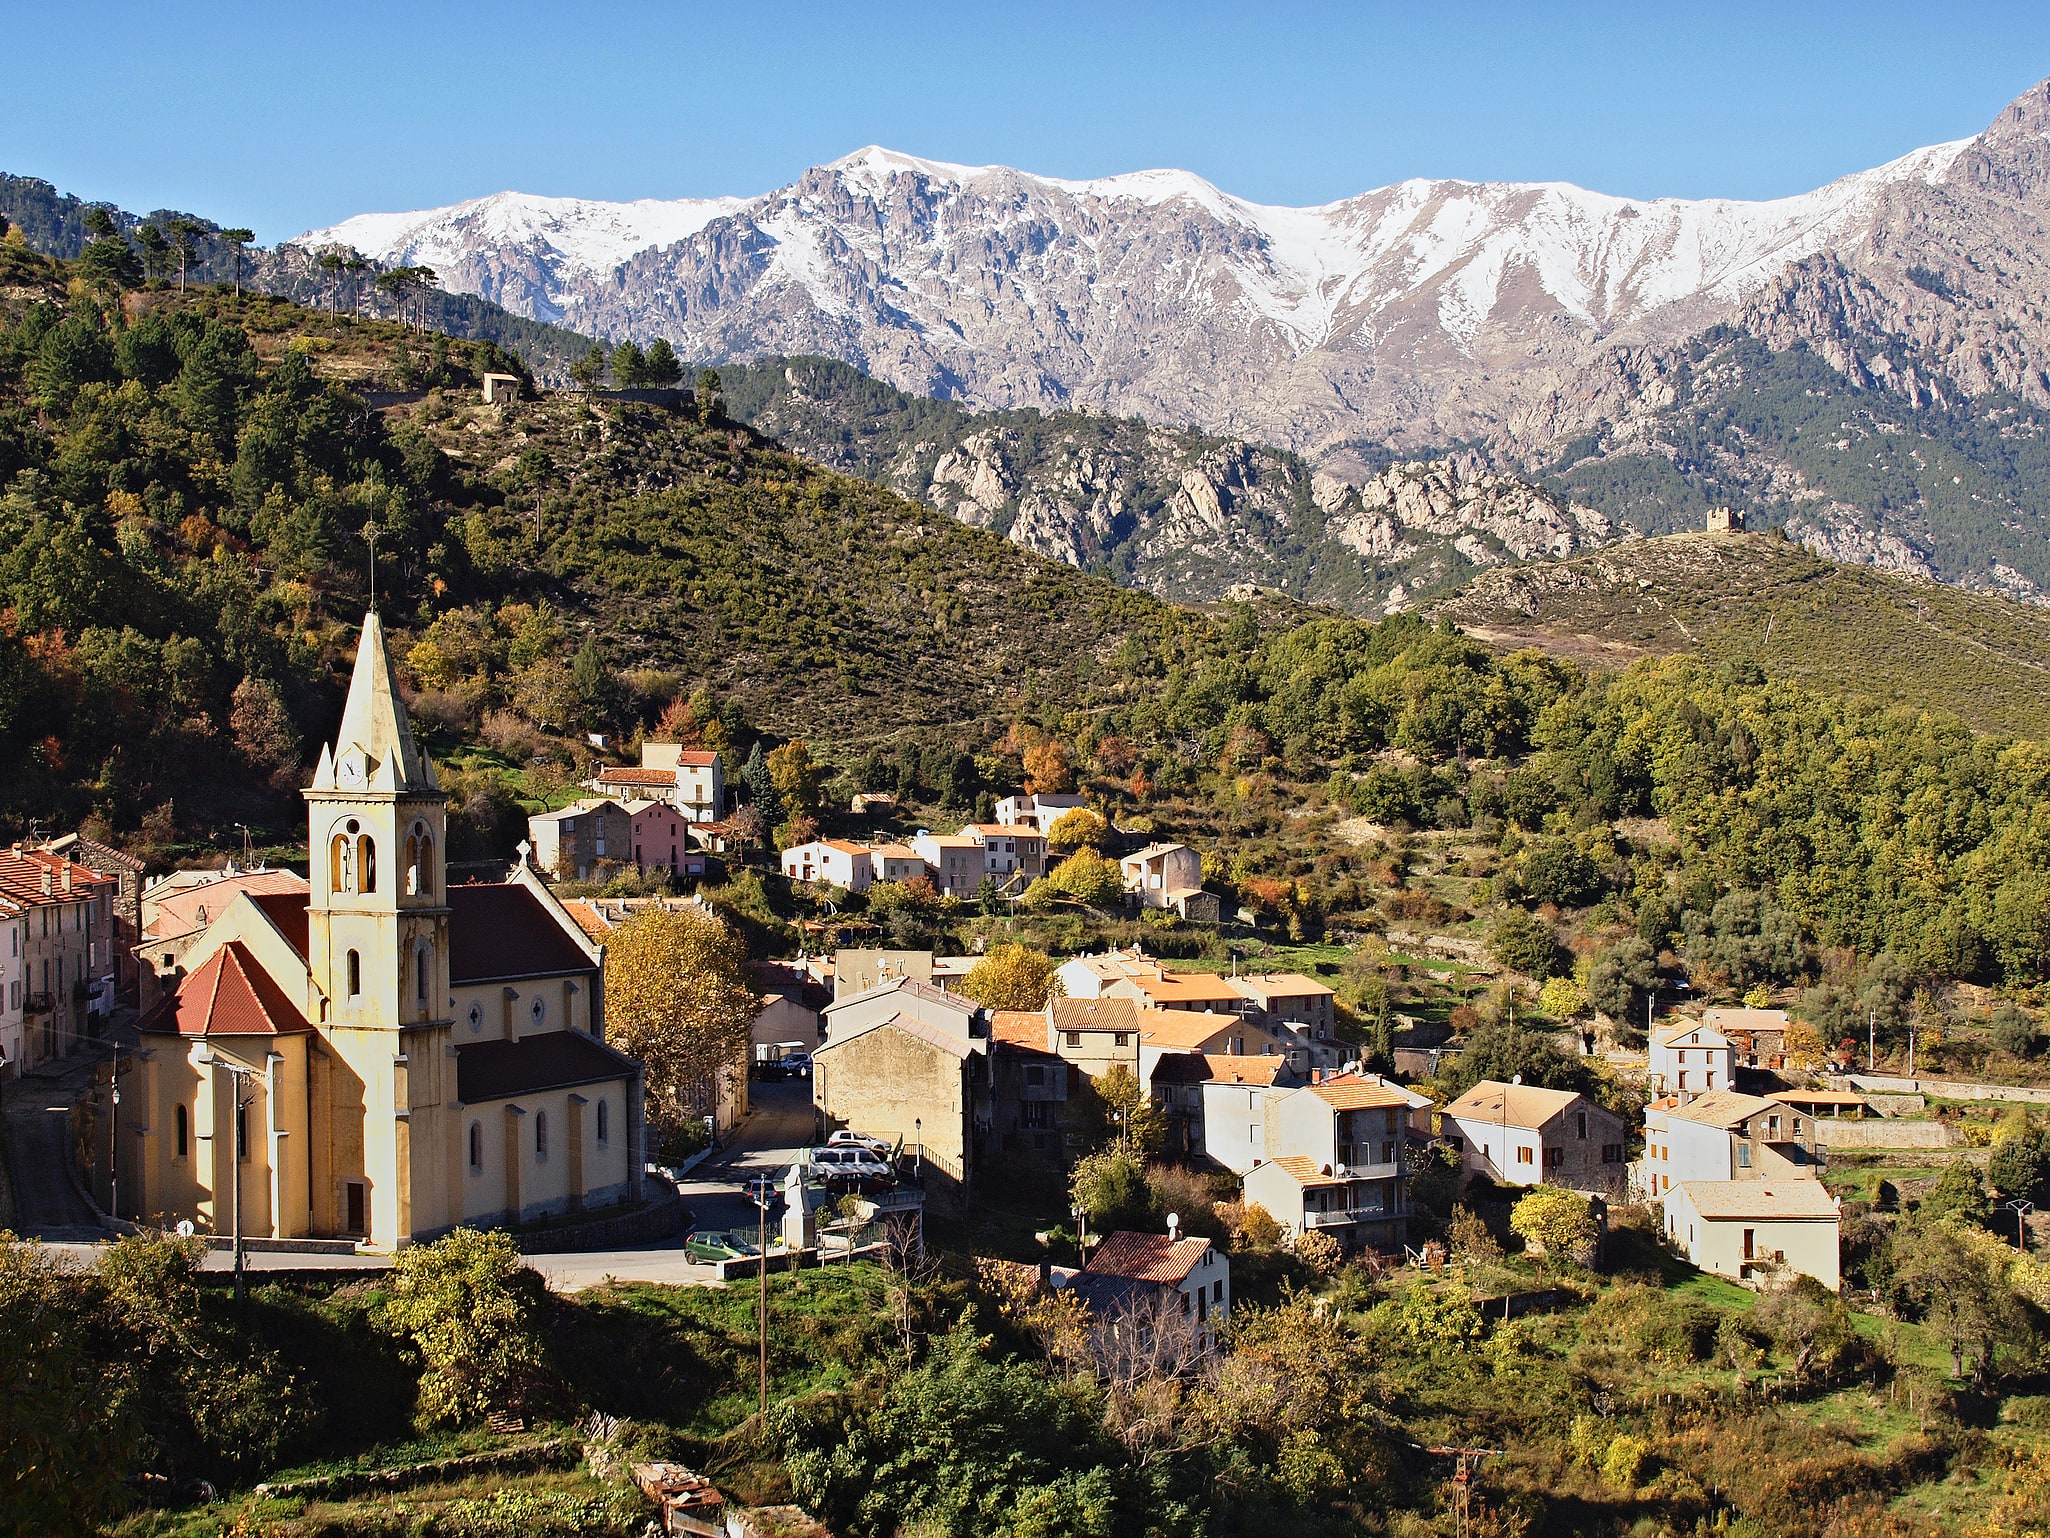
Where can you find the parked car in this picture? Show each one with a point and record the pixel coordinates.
(856, 1161)
(770, 1069)
(798, 1065)
(765, 1188)
(710, 1249)
(875, 1145)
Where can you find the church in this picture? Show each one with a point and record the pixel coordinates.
(382, 1056)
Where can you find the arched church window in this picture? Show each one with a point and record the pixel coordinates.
(366, 863)
(476, 1147)
(184, 1121)
(604, 1122)
(541, 1134)
(340, 865)
(355, 974)
(419, 861)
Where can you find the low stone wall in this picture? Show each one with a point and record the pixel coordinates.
(1879, 1132)
(1951, 1089)
(660, 1218)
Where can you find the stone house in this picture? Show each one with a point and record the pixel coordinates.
(127, 873)
(1724, 1136)
(1289, 998)
(693, 780)
(1757, 1037)
(1160, 873)
(581, 842)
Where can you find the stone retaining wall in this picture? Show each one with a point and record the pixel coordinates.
(560, 1454)
(1883, 1133)
(660, 1218)
(1951, 1089)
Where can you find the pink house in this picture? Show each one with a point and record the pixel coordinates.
(658, 841)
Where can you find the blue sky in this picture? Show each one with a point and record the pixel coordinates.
(286, 117)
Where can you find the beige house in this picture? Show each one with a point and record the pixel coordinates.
(384, 1056)
(1009, 851)
(66, 967)
(13, 935)
(1519, 1134)
(1689, 1057)
(1237, 1096)
(894, 862)
(955, 862)
(1136, 976)
(1161, 874)
(1339, 1162)
(1755, 1230)
(1722, 1136)
(580, 842)
(907, 1062)
(1289, 998)
(860, 971)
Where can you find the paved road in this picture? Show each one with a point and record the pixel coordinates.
(766, 1144)
(48, 1200)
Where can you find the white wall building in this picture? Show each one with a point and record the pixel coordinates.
(1688, 1058)
(1755, 1230)
(1522, 1135)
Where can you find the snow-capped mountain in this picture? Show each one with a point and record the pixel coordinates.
(1421, 312)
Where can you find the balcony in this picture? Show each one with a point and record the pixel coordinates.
(37, 1003)
(1389, 1171)
(1345, 1217)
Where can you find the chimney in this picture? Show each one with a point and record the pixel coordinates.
(67, 875)
(1174, 1225)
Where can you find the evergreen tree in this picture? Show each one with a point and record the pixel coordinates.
(236, 239)
(629, 366)
(711, 406)
(761, 786)
(659, 365)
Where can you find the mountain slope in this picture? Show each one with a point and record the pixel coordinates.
(1764, 601)
(1181, 513)
(1418, 312)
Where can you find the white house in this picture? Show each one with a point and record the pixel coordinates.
(831, 861)
(1688, 1057)
(1009, 850)
(893, 862)
(1752, 1230)
(1037, 811)
(1128, 1271)
(1522, 1135)
(1339, 1160)
(13, 968)
(693, 780)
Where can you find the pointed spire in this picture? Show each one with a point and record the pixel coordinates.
(374, 719)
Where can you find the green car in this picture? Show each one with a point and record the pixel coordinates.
(710, 1249)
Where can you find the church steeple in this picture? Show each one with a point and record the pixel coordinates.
(375, 746)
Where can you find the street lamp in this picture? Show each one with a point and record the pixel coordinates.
(918, 1131)
(237, 1073)
(1081, 1216)
(2021, 1208)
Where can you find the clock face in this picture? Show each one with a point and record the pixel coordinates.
(350, 774)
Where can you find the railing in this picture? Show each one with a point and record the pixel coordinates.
(1341, 1219)
(1372, 1171)
(38, 1003)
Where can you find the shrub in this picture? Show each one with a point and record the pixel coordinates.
(1556, 871)
(473, 1311)
(1187, 1194)
(1110, 1187)
(1959, 1196)
(1653, 1325)
(1524, 943)
(1319, 1251)
(1555, 1221)
(2014, 1030)
(1627, 1462)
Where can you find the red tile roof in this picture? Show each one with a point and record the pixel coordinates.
(287, 913)
(1350, 1092)
(1241, 1069)
(637, 776)
(230, 995)
(1147, 1257)
(1022, 1029)
(197, 906)
(22, 872)
(697, 758)
(1095, 1015)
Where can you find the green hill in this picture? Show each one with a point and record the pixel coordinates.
(1761, 599)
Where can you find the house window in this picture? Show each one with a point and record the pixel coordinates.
(1772, 1127)
(1555, 1158)
(1121, 1039)
(1072, 1038)
(181, 1121)
(1524, 1156)
(604, 1122)
(1581, 1118)
(476, 1149)
(355, 974)
(1034, 1113)
(540, 1134)
(1035, 1074)
(1743, 1156)
(1612, 1153)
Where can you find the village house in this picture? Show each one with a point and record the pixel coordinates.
(1168, 876)
(1688, 1057)
(955, 862)
(1288, 998)
(1720, 1136)
(693, 780)
(1757, 1037)
(860, 970)
(383, 1056)
(1129, 1276)
(894, 862)
(1237, 1097)
(1339, 1161)
(1519, 1134)
(788, 1022)
(1040, 812)
(1136, 976)
(658, 834)
(581, 842)
(13, 965)
(909, 1063)
(67, 971)
(128, 875)
(179, 908)
(1754, 1230)
(831, 862)
(1009, 852)
(1030, 1086)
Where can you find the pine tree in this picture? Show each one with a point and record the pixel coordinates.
(659, 365)
(761, 786)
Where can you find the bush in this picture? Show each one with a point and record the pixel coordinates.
(2019, 1164)
(1959, 1196)
(1655, 1326)
(1188, 1195)
(1110, 1187)
(2014, 1030)
(1555, 1222)
(473, 1311)
(1556, 871)
(1627, 1462)
(1524, 943)
(1319, 1251)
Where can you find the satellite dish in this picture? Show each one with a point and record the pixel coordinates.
(185, 1228)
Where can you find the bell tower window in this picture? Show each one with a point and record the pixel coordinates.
(355, 974)
(423, 963)
(419, 862)
(341, 861)
(366, 863)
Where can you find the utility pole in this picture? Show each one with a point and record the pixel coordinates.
(762, 1297)
(1465, 1461)
(1872, 1040)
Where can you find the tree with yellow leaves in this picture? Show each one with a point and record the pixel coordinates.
(677, 997)
(1013, 977)
(1077, 827)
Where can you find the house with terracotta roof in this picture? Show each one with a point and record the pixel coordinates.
(1339, 1160)
(1031, 1084)
(383, 1056)
(908, 1062)
(1754, 1231)
(1689, 1057)
(1236, 1096)
(127, 873)
(1162, 875)
(1009, 850)
(693, 780)
(1141, 1280)
(1724, 1135)
(955, 863)
(895, 862)
(1289, 998)
(180, 907)
(1757, 1037)
(67, 973)
(830, 862)
(1525, 1135)
(659, 836)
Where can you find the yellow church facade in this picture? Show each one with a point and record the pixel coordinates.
(383, 1057)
